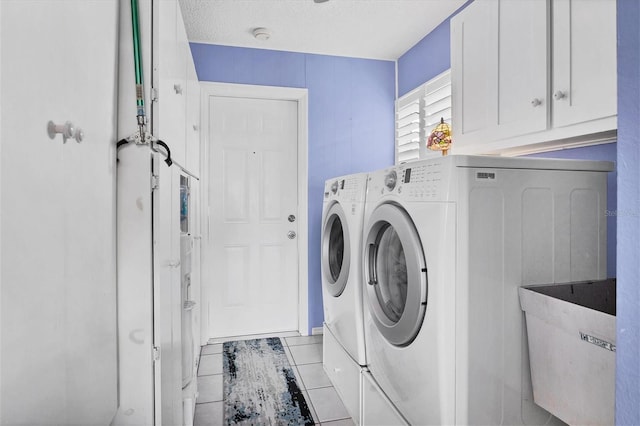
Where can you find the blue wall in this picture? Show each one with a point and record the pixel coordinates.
(351, 118)
(628, 293)
(427, 58)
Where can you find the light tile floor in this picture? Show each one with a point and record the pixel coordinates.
(305, 356)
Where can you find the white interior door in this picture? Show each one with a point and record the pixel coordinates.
(252, 247)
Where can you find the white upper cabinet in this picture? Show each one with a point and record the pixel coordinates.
(474, 84)
(522, 67)
(530, 74)
(584, 59)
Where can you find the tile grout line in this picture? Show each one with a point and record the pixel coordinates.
(209, 375)
(305, 391)
(320, 387)
(314, 413)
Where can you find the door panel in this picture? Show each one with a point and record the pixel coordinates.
(271, 195)
(252, 248)
(236, 186)
(522, 66)
(236, 275)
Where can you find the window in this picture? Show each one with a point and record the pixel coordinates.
(417, 113)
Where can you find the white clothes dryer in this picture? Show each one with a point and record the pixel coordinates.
(446, 244)
(344, 350)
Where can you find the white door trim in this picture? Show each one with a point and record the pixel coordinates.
(208, 89)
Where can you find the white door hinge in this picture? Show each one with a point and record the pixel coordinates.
(155, 182)
(156, 353)
(154, 94)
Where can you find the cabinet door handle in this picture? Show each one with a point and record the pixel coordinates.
(536, 102)
(560, 95)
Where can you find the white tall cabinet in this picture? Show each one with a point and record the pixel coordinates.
(89, 254)
(531, 74)
(176, 111)
(58, 269)
(149, 234)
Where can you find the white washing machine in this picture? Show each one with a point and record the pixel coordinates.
(446, 244)
(344, 350)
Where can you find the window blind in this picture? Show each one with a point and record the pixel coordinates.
(417, 113)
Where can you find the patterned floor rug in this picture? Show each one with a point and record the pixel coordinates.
(259, 385)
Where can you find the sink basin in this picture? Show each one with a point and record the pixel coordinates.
(571, 331)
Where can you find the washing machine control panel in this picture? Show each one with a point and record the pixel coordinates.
(422, 182)
(390, 180)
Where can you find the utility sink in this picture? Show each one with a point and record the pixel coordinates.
(571, 331)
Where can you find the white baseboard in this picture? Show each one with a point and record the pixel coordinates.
(316, 331)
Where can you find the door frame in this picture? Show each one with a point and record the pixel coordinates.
(299, 95)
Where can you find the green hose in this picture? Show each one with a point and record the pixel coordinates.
(137, 59)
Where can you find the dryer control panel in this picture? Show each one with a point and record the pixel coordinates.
(348, 188)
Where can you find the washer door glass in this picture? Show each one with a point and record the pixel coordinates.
(336, 250)
(396, 274)
(389, 266)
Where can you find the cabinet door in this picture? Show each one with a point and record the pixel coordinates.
(474, 35)
(169, 123)
(58, 327)
(167, 293)
(522, 68)
(584, 61)
(192, 130)
(194, 212)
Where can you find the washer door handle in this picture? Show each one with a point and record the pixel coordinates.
(373, 256)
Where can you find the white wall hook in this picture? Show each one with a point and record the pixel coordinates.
(173, 264)
(67, 130)
(78, 135)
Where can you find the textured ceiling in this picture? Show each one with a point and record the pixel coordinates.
(377, 29)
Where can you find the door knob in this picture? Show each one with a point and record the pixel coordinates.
(291, 218)
(291, 235)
